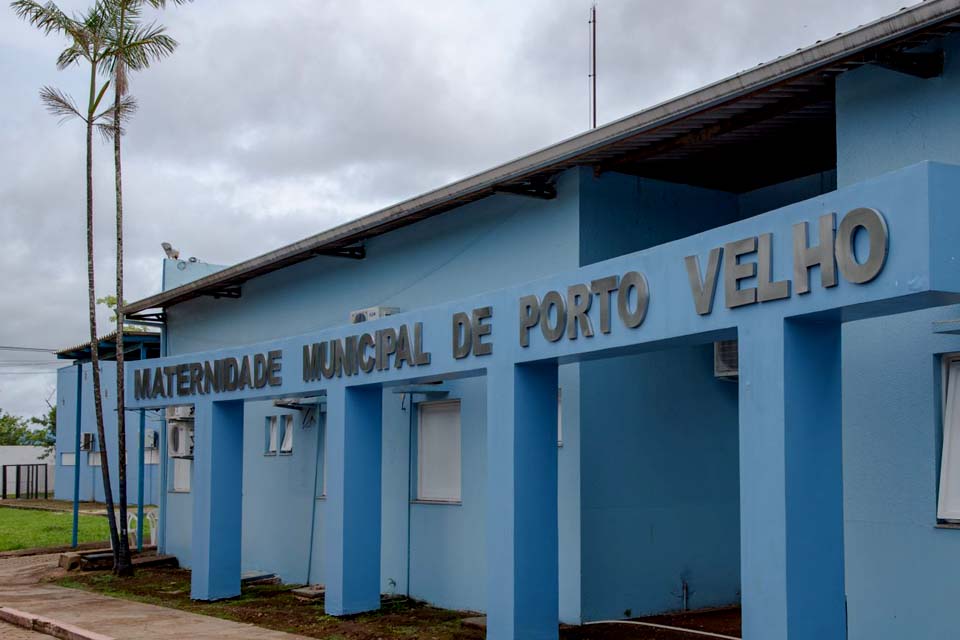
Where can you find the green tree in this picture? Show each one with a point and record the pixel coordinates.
(13, 430)
(134, 46)
(88, 37)
(46, 435)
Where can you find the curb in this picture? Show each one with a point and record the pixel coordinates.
(48, 626)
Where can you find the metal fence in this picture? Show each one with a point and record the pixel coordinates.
(29, 482)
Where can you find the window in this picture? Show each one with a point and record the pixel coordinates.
(93, 458)
(151, 456)
(271, 436)
(68, 459)
(438, 452)
(286, 442)
(181, 475)
(948, 507)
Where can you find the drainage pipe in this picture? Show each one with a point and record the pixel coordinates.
(706, 634)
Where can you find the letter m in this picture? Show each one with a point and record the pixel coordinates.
(141, 384)
(311, 362)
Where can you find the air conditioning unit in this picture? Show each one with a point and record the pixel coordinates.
(151, 439)
(371, 313)
(180, 440)
(87, 442)
(726, 359)
(182, 412)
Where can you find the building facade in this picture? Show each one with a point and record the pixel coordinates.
(540, 429)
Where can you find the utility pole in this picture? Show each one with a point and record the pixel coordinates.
(593, 66)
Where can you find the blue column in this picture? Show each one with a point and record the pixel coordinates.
(217, 500)
(352, 522)
(791, 485)
(522, 580)
(140, 463)
(76, 457)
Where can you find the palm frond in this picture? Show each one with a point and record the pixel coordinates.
(60, 104)
(145, 44)
(128, 107)
(70, 55)
(47, 16)
(106, 131)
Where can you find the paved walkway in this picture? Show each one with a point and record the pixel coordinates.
(122, 619)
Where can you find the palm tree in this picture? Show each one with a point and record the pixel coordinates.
(88, 36)
(133, 47)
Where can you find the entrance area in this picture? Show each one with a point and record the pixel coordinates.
(660, 482)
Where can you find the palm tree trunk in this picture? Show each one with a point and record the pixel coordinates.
(123, 566)
(92, 310)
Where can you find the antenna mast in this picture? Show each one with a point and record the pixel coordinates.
(593, 66)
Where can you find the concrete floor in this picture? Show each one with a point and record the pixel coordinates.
(20, 589)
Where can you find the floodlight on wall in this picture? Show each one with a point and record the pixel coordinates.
(172, 253)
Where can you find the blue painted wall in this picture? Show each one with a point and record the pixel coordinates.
(659, 467)
(483, 246)
(899, 567)
(888, 120)
(91, 482)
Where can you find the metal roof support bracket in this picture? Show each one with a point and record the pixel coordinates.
(226, 292)
(354, 253)
(919, 64)
(542, 190)
(158, 317)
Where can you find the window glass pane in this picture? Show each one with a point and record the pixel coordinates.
(439, 451)
(181, 474)
(948, 507)
(271, 434)
(151, 456)
(68, 459)
(93, 458)
(286, 445)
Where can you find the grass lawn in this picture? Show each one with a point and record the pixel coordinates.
(26, 529)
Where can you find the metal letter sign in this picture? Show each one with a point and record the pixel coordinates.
(830, 251)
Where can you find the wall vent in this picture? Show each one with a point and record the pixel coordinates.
(86, 441)
(726, 360)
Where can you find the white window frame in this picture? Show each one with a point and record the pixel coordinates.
(271, 436)
(93, 459)
(428, 494)
(68, 455)
(286, 435)
(948, 500)
(151, 456)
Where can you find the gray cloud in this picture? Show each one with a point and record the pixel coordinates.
(277, 120)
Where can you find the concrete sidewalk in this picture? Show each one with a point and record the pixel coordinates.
(122, 619)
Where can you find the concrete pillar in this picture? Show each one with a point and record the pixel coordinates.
(217, 499)
(522, 583)
(791, 486)
(352, 514)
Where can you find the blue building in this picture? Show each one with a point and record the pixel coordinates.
(542, 415)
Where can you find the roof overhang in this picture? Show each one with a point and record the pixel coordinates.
(792, 84)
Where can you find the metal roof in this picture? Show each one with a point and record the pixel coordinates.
(133, 339)
(781, 92)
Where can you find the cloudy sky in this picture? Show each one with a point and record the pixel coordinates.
(276, 120)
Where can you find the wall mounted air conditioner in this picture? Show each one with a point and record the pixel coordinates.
(726, 359)
(371, 313)
(182, 412)
(151, 439)
(86, 442)
(180, 440)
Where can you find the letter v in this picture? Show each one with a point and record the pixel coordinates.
(704, 290)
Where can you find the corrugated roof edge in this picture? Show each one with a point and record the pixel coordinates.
(824, 53)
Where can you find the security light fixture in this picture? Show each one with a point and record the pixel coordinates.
(172, 253)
